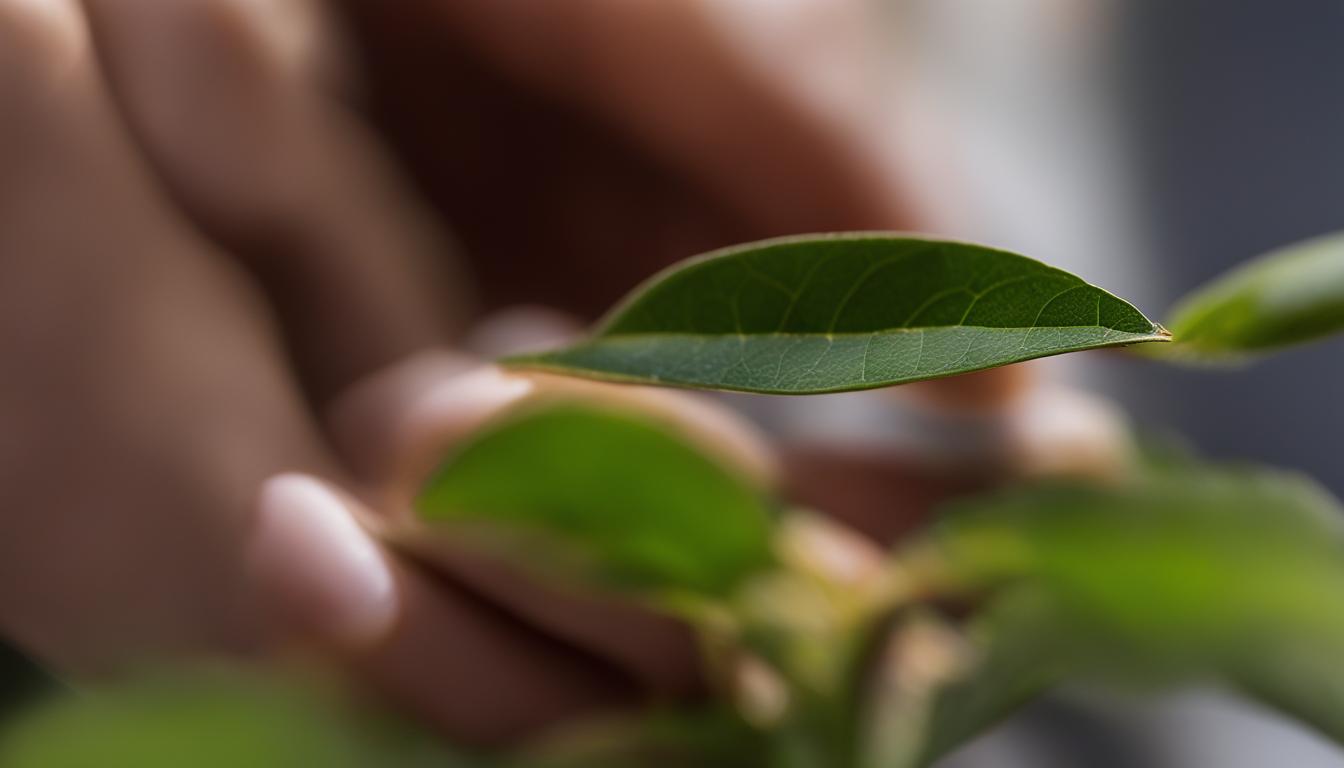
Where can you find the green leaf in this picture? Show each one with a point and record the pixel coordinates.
(609, 493)
(207, 719)
(1020, 658)
(1187, 574)
(1299, 678)
(843, 312)
(1177, 556)
(235, 718)
(1291, 295)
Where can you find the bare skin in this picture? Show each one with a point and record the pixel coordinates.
(211, 272)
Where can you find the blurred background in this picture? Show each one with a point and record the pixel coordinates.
(1149, 146)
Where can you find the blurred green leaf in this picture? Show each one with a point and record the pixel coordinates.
(233, 718)
(831, 313)
(1299, 677)
(219, 719)
(1186, 574)
(613, 494)
(1019, 658)
(1291, 295)
(1176, 558)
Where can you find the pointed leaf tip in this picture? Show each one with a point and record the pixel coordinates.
(832, 313)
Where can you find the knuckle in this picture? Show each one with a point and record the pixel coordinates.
(281, 38)
(40, 40)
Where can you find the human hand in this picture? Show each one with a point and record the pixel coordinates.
(204, 246)
(159, 371)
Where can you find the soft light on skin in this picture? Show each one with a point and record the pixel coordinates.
(829, 550)
(316, 568)
(925, 654)
(922, 655)
(762, 694)
(394, 426)
(1061, 432)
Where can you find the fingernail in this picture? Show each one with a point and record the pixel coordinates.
(318, 571)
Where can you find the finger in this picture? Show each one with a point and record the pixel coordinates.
(771, 109)
(319, 574)
(394, 427)
(522, 329)
(144, 395)
(420, 641)
(1056, 431)
(714, 428)
(884, 494)
(771, 123)
(145, 401)
(889, 486)
(422, 408)
(223, 96)
(994, 389)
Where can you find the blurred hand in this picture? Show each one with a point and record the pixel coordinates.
(206, 255)
(629, 135)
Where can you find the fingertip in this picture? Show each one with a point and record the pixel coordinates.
(1062, 432)
(391, 427)
(986, 391)
(708, 424)
(319, 574)
(723, 432)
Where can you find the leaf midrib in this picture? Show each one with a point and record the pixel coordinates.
(1158, 333)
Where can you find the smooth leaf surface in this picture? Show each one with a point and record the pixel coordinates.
(214, 719)
(1291, 295)
(1300, 679)
(1227, 576)
(230, 718)
(843, 312)
(607, 493)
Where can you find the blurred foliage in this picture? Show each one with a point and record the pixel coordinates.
(1183, 574)
(1289, 296)
(229, 718)
(220, 718)
(609, 494)
(1180, 573)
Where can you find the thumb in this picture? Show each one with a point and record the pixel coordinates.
(319, 575)
(417, 642)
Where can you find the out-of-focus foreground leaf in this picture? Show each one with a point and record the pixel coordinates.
(1207, 575)
(232, 718)
(830, 313)
(608, 494)
(217, 719)
(1291, 295)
